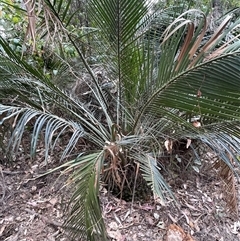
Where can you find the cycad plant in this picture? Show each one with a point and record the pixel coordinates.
(167, 81)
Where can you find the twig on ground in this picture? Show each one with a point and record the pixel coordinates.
(3, 185)
(13, 173)
(49, 221)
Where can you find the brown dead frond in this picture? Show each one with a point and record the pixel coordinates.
(191, 51)
(186, 43)
(51, 27)
(196, 45)
(115, 172)
(229, 186)
(112, 154)
(206, 49)
(223, 48)
(31, 28)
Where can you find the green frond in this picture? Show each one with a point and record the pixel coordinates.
(51, 126)
(9, 55)
(223, 145)
(120, 25)
(210, 90)
(151, 173)
(85, 220)
(118, 20)
(33, 88)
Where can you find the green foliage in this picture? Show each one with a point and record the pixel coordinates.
(169, 83)
(203, 4)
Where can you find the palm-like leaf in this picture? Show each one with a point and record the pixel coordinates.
(164, 79)
(151, 173)
(36, 98)
(198, 91)
(85, 198)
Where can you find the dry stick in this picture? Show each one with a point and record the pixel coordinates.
(3, 186)
(134, 187)
(13, 172)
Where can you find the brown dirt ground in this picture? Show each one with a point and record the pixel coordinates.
(33, 209)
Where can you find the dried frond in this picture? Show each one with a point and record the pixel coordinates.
(229, 187)
(31, 28)
(206, 49)
(112, 153)
(190, 52)
(51, 28)
(174, 232)
(216, 34)
(186, 43)
(52, 24)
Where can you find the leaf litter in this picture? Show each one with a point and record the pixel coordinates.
(33, 209)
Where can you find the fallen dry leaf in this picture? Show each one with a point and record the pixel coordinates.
(53, 201)
(189, 141)
(116, 235)
(196, 124)
(168, 144)
(176, 233)
(2, 230)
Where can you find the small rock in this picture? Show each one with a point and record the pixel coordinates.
(156, 215)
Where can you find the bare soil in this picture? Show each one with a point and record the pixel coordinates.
(33, 209)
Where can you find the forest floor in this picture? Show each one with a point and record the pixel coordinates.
(33, 209)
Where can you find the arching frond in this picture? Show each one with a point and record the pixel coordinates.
(51, 125)
(151, 173)
(85, 219)
(210, 90)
